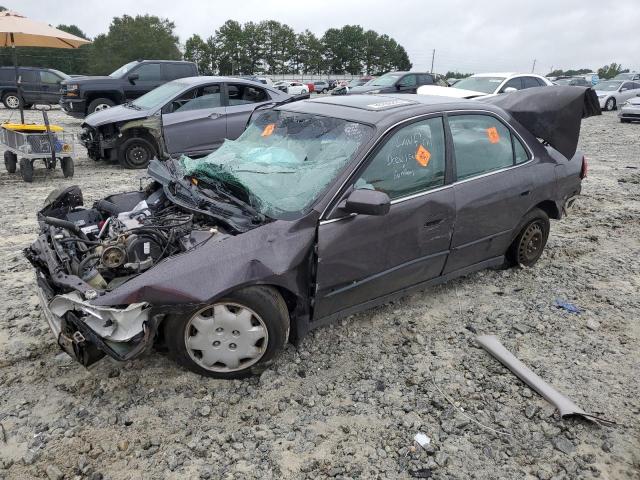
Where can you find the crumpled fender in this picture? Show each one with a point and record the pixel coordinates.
(274, 254)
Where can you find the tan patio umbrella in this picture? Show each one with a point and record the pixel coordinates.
(19, 31)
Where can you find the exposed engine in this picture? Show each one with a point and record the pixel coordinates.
(119, 237)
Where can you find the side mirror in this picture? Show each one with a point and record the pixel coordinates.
(509, 90)
(367, 202)
(133, 77)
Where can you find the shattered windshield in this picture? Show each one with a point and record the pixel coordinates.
(479, 84)
(159, 96)
(283, 160)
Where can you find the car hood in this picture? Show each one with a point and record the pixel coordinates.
(365, 88)
(605, 92)
(119, 113)
(449, 92)
(88, 78)
(635, 101)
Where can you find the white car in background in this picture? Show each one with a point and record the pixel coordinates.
(292, 88)
(612, 93)
(485, 84)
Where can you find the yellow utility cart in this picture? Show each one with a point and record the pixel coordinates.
(26, 143)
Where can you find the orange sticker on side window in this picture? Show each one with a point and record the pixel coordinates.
(493, 135)
(268, 130)
(423, 156)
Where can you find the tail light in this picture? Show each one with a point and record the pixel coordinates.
(585, 168)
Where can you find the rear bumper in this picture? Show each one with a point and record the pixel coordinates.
(76, 107)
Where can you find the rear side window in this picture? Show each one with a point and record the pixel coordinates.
(481, 144)
(529, 82)
(240, 94)
(412, 160)
(29, 76)
(172, 71)
(520, 154)
(148, 72)
(424, 79)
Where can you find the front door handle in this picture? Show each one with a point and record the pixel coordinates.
(525, 193)
(216, 115)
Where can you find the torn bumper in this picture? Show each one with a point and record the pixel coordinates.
(87, 332)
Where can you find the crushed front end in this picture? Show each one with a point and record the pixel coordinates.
(81, 254)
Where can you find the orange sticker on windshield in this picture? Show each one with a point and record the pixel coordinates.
(494, 136)
(423, 156)
(268, 130)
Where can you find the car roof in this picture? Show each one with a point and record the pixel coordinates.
(381, 110)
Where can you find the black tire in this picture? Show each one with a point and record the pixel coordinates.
(11, 100)
(625, 120)
(10, 161)
(610, 104)
(100, 104)
(527, 247)
(265, 302)
(26, 170)
(66, 163)
(27, 106)
(136, 152)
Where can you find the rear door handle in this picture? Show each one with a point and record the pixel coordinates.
(525, 193)
(433, 223)
(216, 115)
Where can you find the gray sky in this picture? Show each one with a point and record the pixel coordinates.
(468, 35)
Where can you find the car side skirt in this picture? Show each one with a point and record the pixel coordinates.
(489, 263)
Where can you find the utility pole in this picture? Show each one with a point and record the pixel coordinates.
(433, 57)
(533, 69)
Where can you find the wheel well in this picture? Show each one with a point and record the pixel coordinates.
(550, 208)
(138, 133)
(110, 95)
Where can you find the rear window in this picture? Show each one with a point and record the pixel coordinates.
(7, 75)
(173, 71)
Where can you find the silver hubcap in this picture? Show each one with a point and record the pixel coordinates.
(610, 104)
(226, 337)
(101, 106)
(12, 101)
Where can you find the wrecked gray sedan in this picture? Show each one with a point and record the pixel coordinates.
(321, 209)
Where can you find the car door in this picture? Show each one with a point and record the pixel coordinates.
(30, 85)
(49, 87)
(408, 84)
(149, 77)
(363, 257)
(626, 91)
(492, 190)
(241, 100)
(195, 122)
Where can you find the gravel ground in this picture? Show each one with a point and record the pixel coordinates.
(348, 401)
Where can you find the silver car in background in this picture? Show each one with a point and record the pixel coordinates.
(191, 116)
(612, 93)
(630, 110)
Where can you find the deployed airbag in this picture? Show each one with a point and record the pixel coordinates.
(552, 114)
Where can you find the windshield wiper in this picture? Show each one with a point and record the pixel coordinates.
(224, 190)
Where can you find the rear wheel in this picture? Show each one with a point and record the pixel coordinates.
(610, 104)
(528, 246)
(10, 161)
(625, 120)
(66, 163)
(11, 100)
(136, 152)
(100, 104)
(26, 170)
(235, 336)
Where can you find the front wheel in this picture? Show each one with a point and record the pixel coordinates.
(610, 104)
(100, 104)
(136, 152)
(528, 246)
(234, 337)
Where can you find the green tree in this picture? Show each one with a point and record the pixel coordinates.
(73, 30)
(228, 41)
(131, 38)
(610, 71)
(196, 50)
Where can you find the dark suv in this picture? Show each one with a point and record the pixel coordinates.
(39, 85)
(84, 95)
